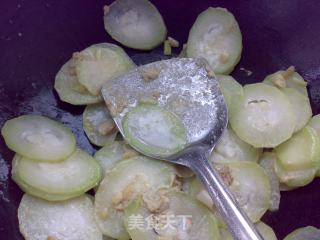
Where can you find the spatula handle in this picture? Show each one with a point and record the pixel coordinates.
(237, 221)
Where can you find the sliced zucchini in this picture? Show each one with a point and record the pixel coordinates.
(68, 220)
(135, 23)
(267, 161)
(110, 155)
(287, 79)
(69, 89)
(72, 177)
(38, 138)
(230, 88)
(293, 178)
(301, 107)
(263, 117)
(99, 125)
(302, 151)
(123, 184)
(231, 148)
(177, 217)
(305, 233)
(100, 63)
(216, 37)
(266, 231)
(249, 184)
(154, 130)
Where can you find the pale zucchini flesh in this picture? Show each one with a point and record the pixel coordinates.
(263, 117)
(189, 218)
(100, 63)
(39, 138)
(231, 148)
(154, 130)
(68, 220)
(216, 37)
(127, 180)
(69, 88)
(249, 184)
(305, 233)
(99, 125)
(300, 152)
(72, 177)
(135, 23)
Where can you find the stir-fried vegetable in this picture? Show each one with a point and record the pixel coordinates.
(135, 23)
(216, 37)
(68, 220)
(38, 138)
(306, 233)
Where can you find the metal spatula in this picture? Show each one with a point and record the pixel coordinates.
(187, 88)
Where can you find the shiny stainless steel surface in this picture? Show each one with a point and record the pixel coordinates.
(204, 113)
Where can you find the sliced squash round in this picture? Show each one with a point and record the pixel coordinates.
(287, 79)
(301, 107)
(71, 177)
(154, 130)
(263, 117)
(38, 138)
(310, 233)
(99, 125)
(216, 37)
(69, 220)
(69, 88)
(302, 151)
(171, 215)
(121, 185)
(231, 148)
(100, 63)
(249, 184)
(135, 23)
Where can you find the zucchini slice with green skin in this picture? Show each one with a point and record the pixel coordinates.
(267, 162)
(69, 220)
(305, 233)
(110, 155)
(216, 37)
(178, 216)
(315, 124)
(135, 23)
(301, 107)
(39, 138)
(100, 63)
(293, 178)
(99, 125)
(231, 148)
(287, 79)
(69, 88)
(154, 130)
(263, 117)
(72, 177)
(247, 181)
(300, 152)
(230, 88)
(121, 185)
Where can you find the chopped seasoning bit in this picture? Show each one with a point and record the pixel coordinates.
(72, 71)
(129, 152)
(150, 73)
(173, 42)
(107, 127)
(115, 110)
(51, 238)
(226, 176)
(224, 57)
(288, 73)
(77, 56)
(248, 72)
(279, 81)
(104, 213)
(156, 202)
(106, 9)
(167, 48)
